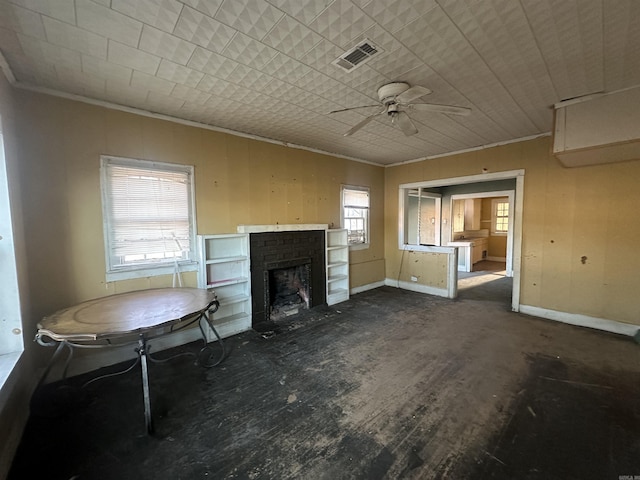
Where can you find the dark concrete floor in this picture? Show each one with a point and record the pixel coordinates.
(390, 384)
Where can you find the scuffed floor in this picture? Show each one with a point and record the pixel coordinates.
(391, 384)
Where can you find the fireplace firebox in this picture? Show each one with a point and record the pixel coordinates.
(287, 274)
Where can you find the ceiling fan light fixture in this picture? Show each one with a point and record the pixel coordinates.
(399, 97)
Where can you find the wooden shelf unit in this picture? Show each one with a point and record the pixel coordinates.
(337, 265)
(224, 267)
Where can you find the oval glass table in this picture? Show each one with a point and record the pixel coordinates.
(130, 318)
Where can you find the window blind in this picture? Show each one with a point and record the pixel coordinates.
(148, 213)
(356, 198)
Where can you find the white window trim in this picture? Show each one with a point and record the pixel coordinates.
(11, 343)
(137, 271)
(494, 203)
(357, 246)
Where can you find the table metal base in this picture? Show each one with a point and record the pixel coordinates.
(144, 357)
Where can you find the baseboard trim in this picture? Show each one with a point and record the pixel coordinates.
(604, 324)
(368, 286)
(416, 287)
(496, 259)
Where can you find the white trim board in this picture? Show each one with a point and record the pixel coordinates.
(603, 324)
(368, 286)
(295, 227)
(416, 287)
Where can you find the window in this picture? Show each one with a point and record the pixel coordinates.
(355, 214)
(420, 213)
(149, 220)
(500, 216)
(11, 344)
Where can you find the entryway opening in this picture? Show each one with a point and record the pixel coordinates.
(480, 215)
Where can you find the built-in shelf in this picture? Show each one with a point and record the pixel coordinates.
(337, 266)
(224, 267)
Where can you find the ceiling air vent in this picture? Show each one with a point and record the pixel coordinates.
(357, 56)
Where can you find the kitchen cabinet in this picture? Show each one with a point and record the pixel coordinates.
(479, 249)
(472, 209)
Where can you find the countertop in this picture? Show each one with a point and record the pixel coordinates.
(465, 242)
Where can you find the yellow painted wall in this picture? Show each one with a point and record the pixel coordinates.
(237, 181)
(568, 214)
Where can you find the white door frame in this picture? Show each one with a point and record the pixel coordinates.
(515, 220)
(510, 194)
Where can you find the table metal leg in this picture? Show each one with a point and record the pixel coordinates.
(142, 352)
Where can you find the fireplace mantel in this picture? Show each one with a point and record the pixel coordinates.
(294, 227)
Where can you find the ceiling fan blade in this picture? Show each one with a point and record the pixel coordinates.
(353, 108)
(404, 123)
(448, 109)
(412, 94)
(357, 127)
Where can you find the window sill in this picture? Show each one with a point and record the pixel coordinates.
(427, 248)
(8, 361)
(150, 271)
(358, 246)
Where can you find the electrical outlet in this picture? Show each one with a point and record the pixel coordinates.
(414, 279)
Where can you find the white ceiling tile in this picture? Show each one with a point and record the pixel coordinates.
(44, 52)
(29, 72)
(396, 63)
(621, 44)
(321, 55)
(303, 10)
(190, 95)
(341, 23)
(108, 23)
(165, 45)
(217, 86)
(79, 81)
(151, 83)
(508, 61)
(286, 68)
(74, 38)
(132, 58)
(167, 104)
(249, 51)
(124, 94)
(569, 35)
(392, 16)
(107, 70)
(162, 14)
(501, 35)
(203, 30)
(61, 9)
(212, 63)
(208, 7)
(9, 41)
(252, 17)
(249, 77)
(179, 74)
(22, 20)
(292, 37)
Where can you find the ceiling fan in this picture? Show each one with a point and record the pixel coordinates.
(397, 98)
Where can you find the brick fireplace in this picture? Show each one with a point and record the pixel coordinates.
(287, 274)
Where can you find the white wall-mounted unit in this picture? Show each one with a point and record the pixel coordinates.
(598, 129)
(224, 267)
(337, 264)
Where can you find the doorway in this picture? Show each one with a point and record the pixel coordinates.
(485, 221)
(507, 183)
